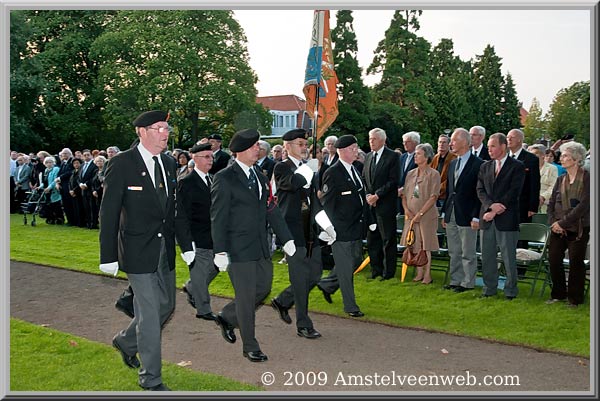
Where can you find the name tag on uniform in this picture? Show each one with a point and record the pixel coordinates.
(132, 188)
(346, 193)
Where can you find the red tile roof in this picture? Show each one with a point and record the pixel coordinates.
(282, 102)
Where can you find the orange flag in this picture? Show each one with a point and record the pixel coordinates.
(320, 79)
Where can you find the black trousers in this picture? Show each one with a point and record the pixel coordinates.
(381, 244)
(577, 248)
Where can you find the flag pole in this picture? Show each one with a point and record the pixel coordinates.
(315, 123)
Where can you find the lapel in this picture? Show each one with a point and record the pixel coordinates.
(170, 178)
(145, 174)
(244, 180)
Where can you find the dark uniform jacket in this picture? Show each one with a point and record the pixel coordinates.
(193, 211)
(530, 194)
(220, 162)
(461, 196)
(239, 218)
(133, 221)
(384, 183)
(267, 167)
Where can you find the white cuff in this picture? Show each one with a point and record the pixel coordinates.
(110, 268)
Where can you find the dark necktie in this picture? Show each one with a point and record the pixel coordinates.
(475, 153)
(374, 164)
(208, 181)
(252, 184)
(456, 170)
(355, 178)
(159, 182)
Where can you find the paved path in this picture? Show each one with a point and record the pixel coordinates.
(83, 304)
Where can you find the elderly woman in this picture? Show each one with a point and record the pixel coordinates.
(54, 213)
(569, 218)
(548, 175)
(97, 188)
(421, 190)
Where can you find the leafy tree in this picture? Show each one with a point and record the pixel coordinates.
(353, 95)
(511, 108)
(570, 113)
(402, 58)
(191, 62)
(489, 83)
(535, 126)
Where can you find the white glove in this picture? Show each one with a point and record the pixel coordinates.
(188, 257)
(110, 268)
(221, 261)
(373, 227)
(306, 172)
(290, 247)
(323, 236)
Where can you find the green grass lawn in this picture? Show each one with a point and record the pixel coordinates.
(43, 359)
(525, 321)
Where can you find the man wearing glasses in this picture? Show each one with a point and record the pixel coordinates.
(137, 235)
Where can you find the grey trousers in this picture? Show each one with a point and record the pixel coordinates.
(252, 283)
(491, 240)
(153, 304)
(201, 275)
(347, 256)
(305, 272)
(462, 245)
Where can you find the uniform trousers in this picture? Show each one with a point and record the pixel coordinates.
(462, 245)
(491, 240)
(305, 273)
(347, 256)
(201, 275)
(153, 305)
(252, 283)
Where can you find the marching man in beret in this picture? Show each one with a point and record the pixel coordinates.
(221, 158)
(137, 236)
(240, 211)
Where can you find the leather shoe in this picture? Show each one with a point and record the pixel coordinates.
(486, 296)
(283, 311)
(510, 297)
(158, 387)
(356, 314)
(226, 329)
(131, 361)
(190, 297)
(207, 316)
(326, 295)
(308, 332)
(451, 287)
(374, 276)
(460, 289)
(125, 303)
(256, 356)
(383, 278)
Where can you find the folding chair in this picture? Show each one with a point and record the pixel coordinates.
(540, 218)
(442, 253)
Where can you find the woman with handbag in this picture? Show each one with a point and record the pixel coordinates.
(421, 190)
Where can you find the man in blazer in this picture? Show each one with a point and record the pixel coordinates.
(498, 188)
(221, 158)
(193, 217)
(478, 148)
(331, 158)
(410, 140)
(302, 210)
(529, 201)
(240, 210)
(137, 236)
(381, 182)
(461, 213)
(88, 172)
(440, 162)
(344, 202)
(265, 163)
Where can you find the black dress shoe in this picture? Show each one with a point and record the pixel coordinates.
(131, 361)
(486, 296)
(283, 311)
(356, 314)
(226, 329)
(308, 332)
(326, 295)
(374, 276)
(451, 287)
(125, 303)
(190, 297)
(207, 316)
(158, 387)
(256, 356)
(383, 278)
(460, 289)
(510, 297)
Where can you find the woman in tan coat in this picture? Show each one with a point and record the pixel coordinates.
(421, 190)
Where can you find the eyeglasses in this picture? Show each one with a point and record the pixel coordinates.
(159, 129)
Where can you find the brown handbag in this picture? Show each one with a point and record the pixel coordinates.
(409, 257)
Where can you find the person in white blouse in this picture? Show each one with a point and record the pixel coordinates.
(548, 175)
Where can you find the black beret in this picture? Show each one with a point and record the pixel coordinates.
(243, 140)
(344, 141)
(294, 134)
(200, 147)
(215, 136)
(150, 117)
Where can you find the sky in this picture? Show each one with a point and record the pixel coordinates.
(544, 50)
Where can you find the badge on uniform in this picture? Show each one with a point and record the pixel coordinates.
(346, 193)
(325, 188)
(133, 188)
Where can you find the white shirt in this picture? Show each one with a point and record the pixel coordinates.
(149, 162)
(349, 168)
(377, 154)
(517, 153)
(478, 150)
(202, 175)
(247, 171)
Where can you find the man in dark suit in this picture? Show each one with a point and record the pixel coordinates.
(381, 182)
(193, 216)
(302, 210)
(221, 159)
(344, 202)
(461, 213)
(240, 211)
(137, 235)
(87, 174)
(410, 140)
(331, 158)
(498, 188)
(65, 170)
(529, 201)
(477, 134)
(265, 163)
